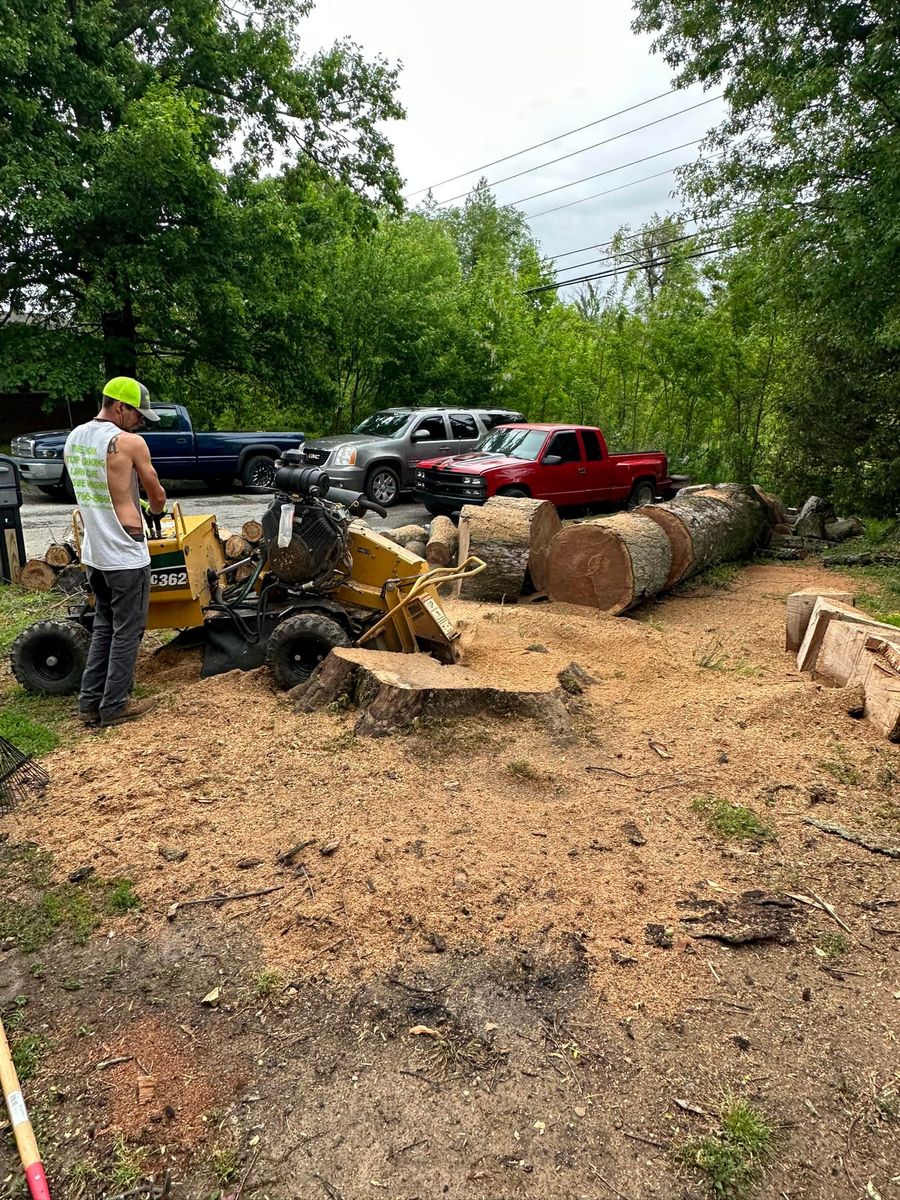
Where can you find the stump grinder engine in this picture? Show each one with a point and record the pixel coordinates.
(319, 578)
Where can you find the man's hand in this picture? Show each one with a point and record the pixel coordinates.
(153, 520)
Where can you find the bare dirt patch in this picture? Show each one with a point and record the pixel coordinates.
(514, 882)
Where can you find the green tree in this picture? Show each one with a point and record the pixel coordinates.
(810, 175)
(120, 218)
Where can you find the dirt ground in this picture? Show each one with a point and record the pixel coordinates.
(556, 916)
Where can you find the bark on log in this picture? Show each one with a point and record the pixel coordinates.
(60, 555)
(773, 505)
(811, 519)
(614, 563)
(252, 531)
(512, 535)
(239, 574)
(415, 547)
(224, 534)
(443, 540)
(236, 547)
(70, 579)
(841, 531)
(37, 575)
(611, 564)
(861, 560)
(393, 691)
(404, 534)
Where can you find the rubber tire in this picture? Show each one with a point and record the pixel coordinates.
(299, 643)
(66, 640)
(436, 510)
(254, 465)
(370, 482)
(642, 493)
(59, 491)
(515, 493)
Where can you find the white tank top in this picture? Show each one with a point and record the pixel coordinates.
(106, 545)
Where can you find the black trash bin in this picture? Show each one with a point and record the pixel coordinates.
(12, 541)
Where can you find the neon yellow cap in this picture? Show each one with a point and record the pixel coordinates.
(129, 391)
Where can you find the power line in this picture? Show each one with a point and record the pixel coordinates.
(653, 262)
(596, 195)
(684, 237)
(603, 245)
(595, 145)
(495, 162)
(599, 174)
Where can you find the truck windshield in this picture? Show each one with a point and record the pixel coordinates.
(383, 424)
(514, 443)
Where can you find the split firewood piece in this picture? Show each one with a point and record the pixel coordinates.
(146, 1089)
(252, 531)
(443, 539)
(824, 612)
(37, 575)
(512, 534)
(799, 609)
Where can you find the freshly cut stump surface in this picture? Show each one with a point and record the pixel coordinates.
(512, 535)
(611, 564)
(392, 691)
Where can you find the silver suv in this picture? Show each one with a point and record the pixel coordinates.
(381, 454)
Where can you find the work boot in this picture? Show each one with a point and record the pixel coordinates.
(89, 716)
(132, 710)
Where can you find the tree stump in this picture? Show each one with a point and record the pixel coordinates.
(443, 540)
(393, 691)
(611, 564)
(37, 576)
(512, 535)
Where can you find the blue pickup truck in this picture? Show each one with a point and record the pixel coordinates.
(177, 452)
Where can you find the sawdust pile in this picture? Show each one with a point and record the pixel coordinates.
(464, 836)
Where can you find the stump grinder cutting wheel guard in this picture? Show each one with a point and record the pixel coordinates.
(319, 579)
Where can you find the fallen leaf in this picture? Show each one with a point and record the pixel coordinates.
(211, 997)
(691, 1108)
(660, 749)
(424, 1031)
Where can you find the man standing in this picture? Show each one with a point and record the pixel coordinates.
(106, 460)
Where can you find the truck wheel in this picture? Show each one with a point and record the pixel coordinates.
(642, 493)
(299, 644)
(258, 471)
(49, 657)
(516, 493)
(383, 486)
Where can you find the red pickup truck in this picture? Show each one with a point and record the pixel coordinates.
(568, 464)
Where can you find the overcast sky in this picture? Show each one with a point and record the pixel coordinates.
(482, 79)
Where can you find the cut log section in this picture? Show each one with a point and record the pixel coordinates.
(443, 539)
(252, 532)
(611, 564)
(236, 547)
(859, 658)
(799, 610)
(404, 534)
(71, 579)
(415, 547)
(37, 575)
(512, 535)
(392, 691)
(811, 519)
(824, 612)
(60, 555)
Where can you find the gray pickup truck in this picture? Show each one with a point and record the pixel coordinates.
(379, 457)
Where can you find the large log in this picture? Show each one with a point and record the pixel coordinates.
(393, 691)
(37, 576)
(810, 521)
(611, 564)
(237, 547)
(252, 531)
(404, 534)
(60, 554)
(512, 535)
(443, 539)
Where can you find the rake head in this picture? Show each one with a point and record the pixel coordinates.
(19, 775)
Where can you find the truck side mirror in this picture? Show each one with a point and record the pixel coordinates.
(552, 460)
(420, 435)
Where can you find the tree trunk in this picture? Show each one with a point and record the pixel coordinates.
(392, 691)
(611, 564)
(119, 339)
(71, 579)
(236, 547)
(443, 539)
(614, 563)
(60, 554)
(404, 534)
(252, 531)
(841, 531)
(512, 535)
(811, 519)
(37, 576)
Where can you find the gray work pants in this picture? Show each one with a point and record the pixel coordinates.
(120, 618)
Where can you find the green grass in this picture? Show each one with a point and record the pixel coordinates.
(842, 766)
(19, 608)
(36, 724)
(519, 768)
(27, 1052)
(225, 1165)
(719, 576)
(731, 820)
(72, 908)
(127, 1165)
(267, 984)
(714, 658)
(732, 1158)
(834, 945)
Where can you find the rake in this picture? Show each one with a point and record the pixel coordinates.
(19, 775)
